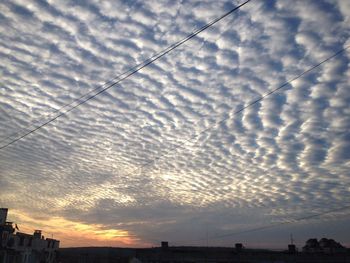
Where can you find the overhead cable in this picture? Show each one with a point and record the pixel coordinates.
(127, 74)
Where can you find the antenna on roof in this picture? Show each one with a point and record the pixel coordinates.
(291, 239)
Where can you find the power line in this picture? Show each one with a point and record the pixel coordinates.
(37, 121)
(84, 95)
(128, 73)
(268, 226)
(239, 111)
(292, 221)
(101, 86)
(250, 104)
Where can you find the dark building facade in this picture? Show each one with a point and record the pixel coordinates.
(18, 247)
(169, 254)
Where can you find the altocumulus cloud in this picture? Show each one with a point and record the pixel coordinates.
(285, 157)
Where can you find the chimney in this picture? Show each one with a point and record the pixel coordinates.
(164, 244)
(239, 247)
(37, 234)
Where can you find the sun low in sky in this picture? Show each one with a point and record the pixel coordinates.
(174, 152)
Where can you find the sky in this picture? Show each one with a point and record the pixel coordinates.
(163, 155)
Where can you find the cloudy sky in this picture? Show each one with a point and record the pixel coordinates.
(163, 155)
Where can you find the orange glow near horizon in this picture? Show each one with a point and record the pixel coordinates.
(75, 234)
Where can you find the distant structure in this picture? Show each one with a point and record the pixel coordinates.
(19, 247)
(165, 245)
(325, 245)
(239, 247)
(291, 247)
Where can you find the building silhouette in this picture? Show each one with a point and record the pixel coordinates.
(166, 253)
(325, 245)
(18, 247)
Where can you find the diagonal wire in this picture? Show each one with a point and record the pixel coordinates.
(250, 104)
(291, 221)
(129, 73)
(269, 226)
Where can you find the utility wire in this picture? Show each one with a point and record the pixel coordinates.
(268, 226)
(86, 94)
(292, 221)
(128, 73)
(242, 109)
(237, 112)
(250, 104)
